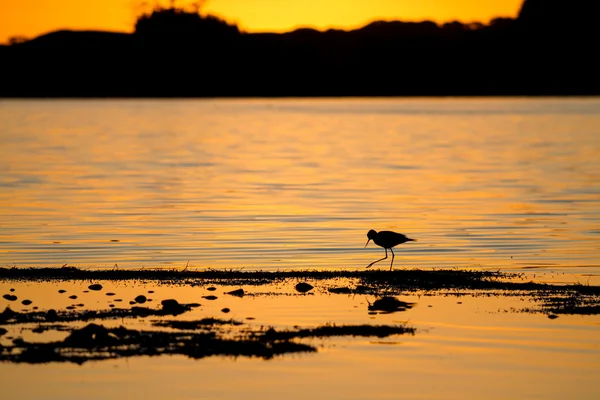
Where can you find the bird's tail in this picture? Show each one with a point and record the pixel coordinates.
(411, 240)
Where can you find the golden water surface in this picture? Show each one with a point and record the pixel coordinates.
(297, 183)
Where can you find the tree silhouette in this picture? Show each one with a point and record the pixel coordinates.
(175, 27)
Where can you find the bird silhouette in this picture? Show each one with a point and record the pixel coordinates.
(387, 240)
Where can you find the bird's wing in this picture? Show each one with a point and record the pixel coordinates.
(390, 235)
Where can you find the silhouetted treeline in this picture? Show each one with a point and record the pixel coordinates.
(549, 49)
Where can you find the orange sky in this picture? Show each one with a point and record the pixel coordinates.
(33, 17)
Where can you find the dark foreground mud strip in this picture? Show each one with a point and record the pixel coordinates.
(199, 324)
(566, 303)
(96, 342)
(169, 307)
(334, 330)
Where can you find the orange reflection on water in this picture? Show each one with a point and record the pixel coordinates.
(297, 183)
(464, 345)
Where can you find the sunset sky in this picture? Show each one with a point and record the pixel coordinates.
(31, 18)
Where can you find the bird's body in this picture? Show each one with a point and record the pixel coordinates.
(387, 240)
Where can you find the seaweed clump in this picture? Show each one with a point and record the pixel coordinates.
(96, 342)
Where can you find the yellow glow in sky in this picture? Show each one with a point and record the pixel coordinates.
(31, 18)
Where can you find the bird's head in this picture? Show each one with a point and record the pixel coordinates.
(371, 235)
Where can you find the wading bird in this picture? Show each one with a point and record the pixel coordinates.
(387, 240)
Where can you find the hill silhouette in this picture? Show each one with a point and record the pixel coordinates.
(547, 50)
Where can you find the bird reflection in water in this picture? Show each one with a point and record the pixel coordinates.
(387, 305)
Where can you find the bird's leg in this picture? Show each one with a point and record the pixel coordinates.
(381, 259)
(392, 250)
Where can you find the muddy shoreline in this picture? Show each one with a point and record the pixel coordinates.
(406, 279)
(211, 336)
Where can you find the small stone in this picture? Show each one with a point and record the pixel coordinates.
(225, 310)
(62, 291)
(304, 287)
(169, 303)
(26, 302)
(237, 292)
(212, 288)
(210, 297)
(12, 289)
(172, 306)
(110, 294)
(140, 299)
(95, 286)
(10, 297)
(73, 297)
(552, 316)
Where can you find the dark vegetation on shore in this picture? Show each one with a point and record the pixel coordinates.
(549, 49)
(369, 280)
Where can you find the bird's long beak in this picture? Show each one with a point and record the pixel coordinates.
(367, 242)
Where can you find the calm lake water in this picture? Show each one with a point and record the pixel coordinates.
(508, 183)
